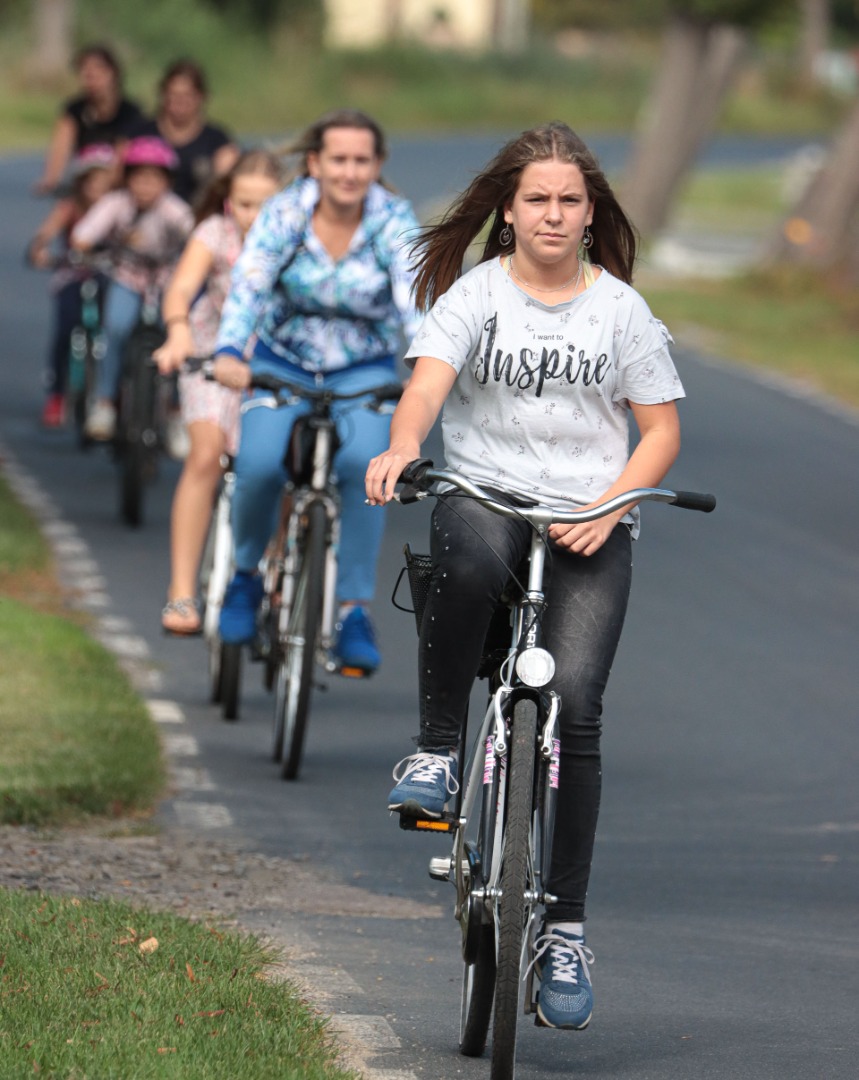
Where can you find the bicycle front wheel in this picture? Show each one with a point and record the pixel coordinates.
(136, 413)
(215, 572)
(298, 652)
(516, 874)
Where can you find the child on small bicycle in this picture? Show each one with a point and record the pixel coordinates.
(145, 225)
(324, 283)
(92, 171)
(191, 310)
(538, 356)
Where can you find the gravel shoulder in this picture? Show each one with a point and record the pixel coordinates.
(185, 872)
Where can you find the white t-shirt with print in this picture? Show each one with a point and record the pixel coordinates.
(540, 405)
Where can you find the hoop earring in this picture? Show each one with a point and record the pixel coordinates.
(505, 237)
(588, 238)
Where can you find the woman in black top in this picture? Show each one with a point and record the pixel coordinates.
(100, 114)
(204, 150)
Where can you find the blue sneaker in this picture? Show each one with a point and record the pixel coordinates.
(566, 997)
(238, 622)
(425, 783)
(356, 642)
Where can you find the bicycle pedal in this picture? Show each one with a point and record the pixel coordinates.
(354, 673)
(447, 823)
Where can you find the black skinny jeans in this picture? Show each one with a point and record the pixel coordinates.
(586, 606)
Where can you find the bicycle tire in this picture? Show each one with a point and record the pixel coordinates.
(295, 673)
(215, 573)
(137, 411)
(230, 680)
(478, 994)
(512, 908)
(80, 398)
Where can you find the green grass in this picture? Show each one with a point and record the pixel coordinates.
(788, 321)
(746, 200)
(77, 739)
(80, 998)
(22, 546)
(276, 83)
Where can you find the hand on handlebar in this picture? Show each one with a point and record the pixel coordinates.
(175, 350)
(587, 537)
(384, 471)
(230, 372)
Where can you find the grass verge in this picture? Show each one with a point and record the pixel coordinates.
(789, 321)
(102, 990)
(77, 739)
(97, 988)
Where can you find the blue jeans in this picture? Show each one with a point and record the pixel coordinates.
(121, 312)
(586, 607)
(260, 474)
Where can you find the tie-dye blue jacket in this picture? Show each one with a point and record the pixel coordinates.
(307, 308)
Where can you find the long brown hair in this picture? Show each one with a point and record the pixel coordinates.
(441, 248)
(250, 163)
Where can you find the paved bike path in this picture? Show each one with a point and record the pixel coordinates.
(723, 912)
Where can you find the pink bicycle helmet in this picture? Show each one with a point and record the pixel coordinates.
(95, 156)
(150, 150)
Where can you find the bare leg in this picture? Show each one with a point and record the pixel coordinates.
(192, 507)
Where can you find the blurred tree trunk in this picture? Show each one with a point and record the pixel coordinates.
(511, 25)
(821, 229)
(394, 19)
(699, 62)
(53, 23)
(816, 16)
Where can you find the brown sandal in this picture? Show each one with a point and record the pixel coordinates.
(181, 617)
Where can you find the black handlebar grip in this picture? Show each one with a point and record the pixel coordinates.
(695, 500)
(413, 472)
(262, 380)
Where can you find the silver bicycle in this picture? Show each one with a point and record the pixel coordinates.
(503, 821)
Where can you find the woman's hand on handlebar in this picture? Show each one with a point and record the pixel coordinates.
(229, 371)
(587, 537)
(175, 350)
(384, 471)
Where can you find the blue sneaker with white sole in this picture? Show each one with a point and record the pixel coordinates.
(355, 646)
(425, 782)
(566, 999)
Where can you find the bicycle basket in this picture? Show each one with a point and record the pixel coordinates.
(418, 569)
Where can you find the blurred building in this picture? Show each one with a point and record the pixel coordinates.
(452, 24)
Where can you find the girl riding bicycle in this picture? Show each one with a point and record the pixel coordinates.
(92, 172)
(537, 355)
(324, 282)
(192, 310)
(145, 225)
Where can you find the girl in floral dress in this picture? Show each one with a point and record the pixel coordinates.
(192, 310)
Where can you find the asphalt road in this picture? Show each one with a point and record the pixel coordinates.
(724, 907)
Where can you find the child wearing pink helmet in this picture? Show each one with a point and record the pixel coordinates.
(144, 226)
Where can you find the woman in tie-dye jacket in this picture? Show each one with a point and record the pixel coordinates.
(324, 284)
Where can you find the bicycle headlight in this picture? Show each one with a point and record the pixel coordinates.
(535, 667)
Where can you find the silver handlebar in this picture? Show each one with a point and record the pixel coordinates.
(542, 516)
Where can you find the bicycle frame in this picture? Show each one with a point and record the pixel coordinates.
(319, 488)
(299, 610)
(504, 817)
